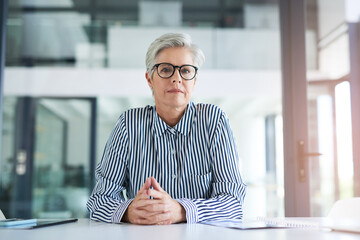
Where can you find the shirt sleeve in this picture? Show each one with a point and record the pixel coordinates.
(227, 188)
(107, 202)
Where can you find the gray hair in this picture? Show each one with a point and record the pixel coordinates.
(170, 40)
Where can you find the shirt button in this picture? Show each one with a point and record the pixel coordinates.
(174, 176)
(172, 151)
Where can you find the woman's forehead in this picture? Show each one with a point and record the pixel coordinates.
(175, 55)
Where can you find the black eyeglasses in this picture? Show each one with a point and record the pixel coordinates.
(166, 70)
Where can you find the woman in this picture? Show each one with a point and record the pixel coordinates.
(176, 160)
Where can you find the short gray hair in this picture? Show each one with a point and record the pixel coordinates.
(170, 40)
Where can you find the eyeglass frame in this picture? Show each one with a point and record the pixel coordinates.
(174, 66)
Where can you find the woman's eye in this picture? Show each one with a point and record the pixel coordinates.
(185, 71)
(166, 70)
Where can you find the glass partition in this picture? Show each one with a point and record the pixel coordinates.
(61, 163)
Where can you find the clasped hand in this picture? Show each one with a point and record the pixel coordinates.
(154, 206)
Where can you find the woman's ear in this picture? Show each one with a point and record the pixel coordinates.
(147, 76)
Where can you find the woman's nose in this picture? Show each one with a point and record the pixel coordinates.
(177, 77)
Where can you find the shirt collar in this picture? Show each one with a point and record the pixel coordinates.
(159, 125)
(183, 126)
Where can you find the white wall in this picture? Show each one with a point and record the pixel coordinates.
(224, 49)
(331, 14)
(352, 10)
(69, 82)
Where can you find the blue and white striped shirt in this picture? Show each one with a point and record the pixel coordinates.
(195, 162)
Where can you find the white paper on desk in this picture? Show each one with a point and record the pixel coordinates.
(247, 225)
(238, 224)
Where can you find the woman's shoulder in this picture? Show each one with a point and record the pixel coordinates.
(208, 109)
(136, 110)
(209, 115)
(138, 114)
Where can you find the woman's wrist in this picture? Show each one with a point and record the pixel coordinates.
(125, 217)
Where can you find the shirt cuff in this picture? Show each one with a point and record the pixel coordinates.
(190, 208)
(119, 212)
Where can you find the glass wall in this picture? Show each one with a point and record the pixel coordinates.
(331, 174)
(96, 49)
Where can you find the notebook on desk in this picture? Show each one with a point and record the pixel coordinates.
(35, 223)
(344, 225)
(263, 223)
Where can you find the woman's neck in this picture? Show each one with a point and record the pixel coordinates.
(170, 115)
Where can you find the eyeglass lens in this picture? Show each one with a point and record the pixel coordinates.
(167, 70)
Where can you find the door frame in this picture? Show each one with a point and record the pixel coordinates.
(3, 18)
(295, 120)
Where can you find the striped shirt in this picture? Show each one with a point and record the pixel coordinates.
(195, 162)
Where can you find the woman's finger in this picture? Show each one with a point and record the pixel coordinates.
(155, 194)
(157, 207)
(142, 194)
(156, 185)
(162, 218)
(146, 185)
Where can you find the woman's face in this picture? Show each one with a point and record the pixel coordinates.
(173, 92)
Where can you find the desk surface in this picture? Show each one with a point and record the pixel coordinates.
(87, 229)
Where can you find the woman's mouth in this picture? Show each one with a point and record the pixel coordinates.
(175, 90)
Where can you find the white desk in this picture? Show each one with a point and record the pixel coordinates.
(87, 230)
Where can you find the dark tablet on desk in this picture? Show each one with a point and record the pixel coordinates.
(45, 223)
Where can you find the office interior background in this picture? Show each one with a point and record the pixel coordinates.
(73, 66)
